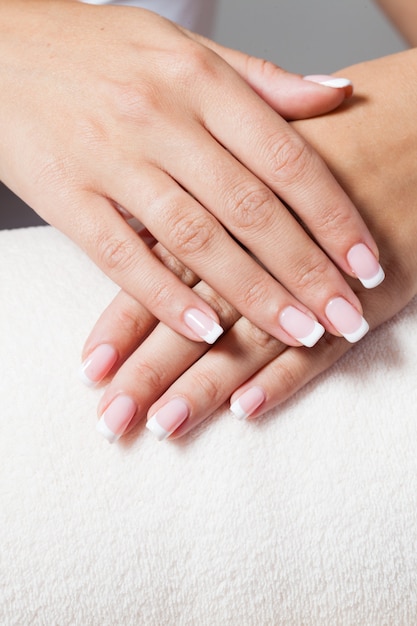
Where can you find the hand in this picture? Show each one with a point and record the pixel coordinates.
(378, 171)
(108, 108)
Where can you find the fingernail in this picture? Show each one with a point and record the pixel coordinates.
(98, 363)
(202, 325)
(301, 326)
(365, 265)
(346, 319)
(248, 402)
(168, 418)
(329, 81)
(117, 417)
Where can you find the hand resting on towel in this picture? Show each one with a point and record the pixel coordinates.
(371, 147)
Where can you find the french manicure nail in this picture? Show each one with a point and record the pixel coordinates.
(329, 81)
(365, 265)
(168, 418)
(202, 325)
(301, 326)
(117, 417)
(98, 363)
(346, 319)
(248, 402)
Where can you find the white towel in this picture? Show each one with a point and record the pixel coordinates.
(306, 517)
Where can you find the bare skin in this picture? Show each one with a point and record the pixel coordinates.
(110, 108)
(371, 146)
(403, 14)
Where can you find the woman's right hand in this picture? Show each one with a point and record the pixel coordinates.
(107, 107)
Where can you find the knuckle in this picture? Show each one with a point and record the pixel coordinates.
(208, 384)
(150, 376)
(256, 295)
(198, 62)
(289, 157)
(115, 253)
(137, 102)
(191, 235)
(332, 223)
(175, 266)
(262, 67)
(290, 374)
(250, 208)
(226, 312)
(310, 275)
(260, 340)
(188, 63)
(287, 378)
(129, 323)
(92, 131)
(159, 297)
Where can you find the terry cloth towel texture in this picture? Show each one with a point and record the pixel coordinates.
(307, 517)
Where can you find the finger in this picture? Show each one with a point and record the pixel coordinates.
(206, 385)
(258, 219)
(272, 371)
(290, 95)
(192, 235)
(122, 327)
(103, 233)
(144, 376)
(283, 376)
(277, 155)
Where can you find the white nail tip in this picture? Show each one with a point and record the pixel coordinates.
(104, 430)
(156, 429)
(313, 337)
(84, 378)
(358, 334)
(336, 83)
(213, 334)
(237, 411)
(376, 280)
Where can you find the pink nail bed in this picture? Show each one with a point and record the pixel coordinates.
(365, 265)
(168, 418)
(301, 326)
(117, 417)
(202, 325)
(329, 81)
(248, 402)
(98, 363)
(346, 319)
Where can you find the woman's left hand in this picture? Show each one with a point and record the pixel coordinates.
(263, 371)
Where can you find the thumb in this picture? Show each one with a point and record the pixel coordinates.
(290, 95)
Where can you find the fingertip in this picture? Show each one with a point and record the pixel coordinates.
(333, 82)
(246, 404)
(204, 326)
(98, 364)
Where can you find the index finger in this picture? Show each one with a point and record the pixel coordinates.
(278, 156)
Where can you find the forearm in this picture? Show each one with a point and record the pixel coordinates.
(403, 14)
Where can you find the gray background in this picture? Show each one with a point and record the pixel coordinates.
(306, 36)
